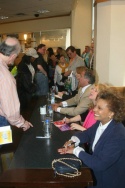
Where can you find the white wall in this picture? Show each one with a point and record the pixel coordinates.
(82, 24)
(110, 37)
(37, 25)
(117, 41)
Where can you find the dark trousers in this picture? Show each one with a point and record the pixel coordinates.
(42, 84)
(3, 121)
(60, 88)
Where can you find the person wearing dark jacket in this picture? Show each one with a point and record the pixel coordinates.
(106, 137)
(52, 62)
(41, 71)
(25, 77)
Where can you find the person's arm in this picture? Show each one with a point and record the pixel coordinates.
(56, 106)
(42, 70)
(75, 126)
(69, 111)
(10, 106)
(99, 160)
(79, 137)
(81, 103)
(74, 100)
(73, 111)
(73, 119)
(67, 73)
(70, 145)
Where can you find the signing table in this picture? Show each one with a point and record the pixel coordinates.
(32, 162)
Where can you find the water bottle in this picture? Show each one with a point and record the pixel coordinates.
(50, 112)
(52, 96)
(47, 128)
(42, 112)
(49, 98)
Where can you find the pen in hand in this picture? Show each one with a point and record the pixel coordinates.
(69, 144)
(64, 119)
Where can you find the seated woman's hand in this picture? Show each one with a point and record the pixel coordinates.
(76, 126)
(66, 120)
(67, 148)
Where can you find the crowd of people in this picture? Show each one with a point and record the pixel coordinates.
(41, 68)
(99, 108)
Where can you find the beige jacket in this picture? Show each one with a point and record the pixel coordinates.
(81, 103)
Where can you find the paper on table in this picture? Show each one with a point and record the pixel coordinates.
(42, 137)
(43, 110)
(61, 125)
(5, 135)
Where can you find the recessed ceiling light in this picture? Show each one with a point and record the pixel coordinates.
(3, 17)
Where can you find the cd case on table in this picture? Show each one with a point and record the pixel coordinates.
(62, 125)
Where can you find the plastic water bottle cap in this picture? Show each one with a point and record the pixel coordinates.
(47, 121)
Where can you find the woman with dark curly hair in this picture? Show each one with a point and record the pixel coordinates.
(107, 142)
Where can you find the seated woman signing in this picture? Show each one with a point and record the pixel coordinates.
(106, 137)
(89, 120)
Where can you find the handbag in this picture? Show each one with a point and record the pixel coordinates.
(68, 167)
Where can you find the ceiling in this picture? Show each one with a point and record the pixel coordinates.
(21, 10)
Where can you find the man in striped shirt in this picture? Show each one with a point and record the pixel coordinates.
(9, 102)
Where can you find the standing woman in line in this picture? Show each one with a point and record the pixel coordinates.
(60, 70)
(89, 120)
(107, 142)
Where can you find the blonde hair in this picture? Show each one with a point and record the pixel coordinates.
(101, 87)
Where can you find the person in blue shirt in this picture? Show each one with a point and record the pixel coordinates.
(86, 55)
